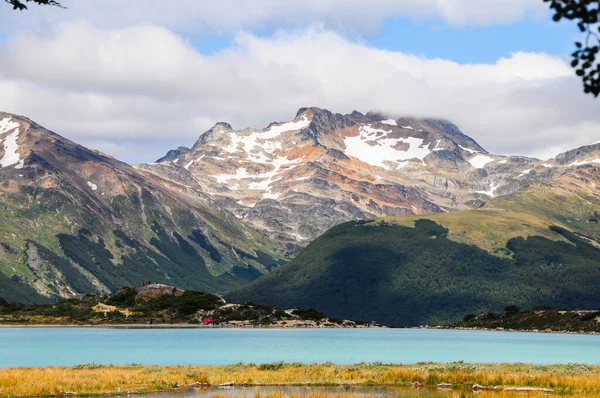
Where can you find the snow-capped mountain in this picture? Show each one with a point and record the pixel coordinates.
(239, 202)
(296, 179)
(74, 220)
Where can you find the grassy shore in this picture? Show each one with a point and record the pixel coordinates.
(91, 379)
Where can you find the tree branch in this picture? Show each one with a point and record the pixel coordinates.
(21, 4)
(585, 58)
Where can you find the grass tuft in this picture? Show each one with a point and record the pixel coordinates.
(94, 379)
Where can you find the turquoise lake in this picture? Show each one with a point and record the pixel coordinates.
(71, 346)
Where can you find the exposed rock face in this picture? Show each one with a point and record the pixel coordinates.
(152, 291)
(8, 249)
(294, 180)
(50, 280)
(174, 154)
(74, 220)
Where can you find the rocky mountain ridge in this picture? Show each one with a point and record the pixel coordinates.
(294, 180)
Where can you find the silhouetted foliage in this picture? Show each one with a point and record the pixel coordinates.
(22, 4)
(309, 314)
(469, 317)
(587, 15)
(512, 310)
(186, 304)
(123, 297)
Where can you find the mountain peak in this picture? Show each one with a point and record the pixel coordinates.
(314, 109)
(223, 125)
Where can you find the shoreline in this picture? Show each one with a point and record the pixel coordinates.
(176, 326)
(200, 326)
(581, 332)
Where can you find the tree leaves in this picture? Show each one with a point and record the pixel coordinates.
(21, 4)
(585, 59)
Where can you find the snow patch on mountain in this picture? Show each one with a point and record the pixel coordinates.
(437, 146)
(269, 195)
(257, 143)
(479, 161)
(490, 192)
(581, 163)
(371, 147)
(525, 172)
(11, 156)
(240, 174)
(274, 131)
(467, 149)
(390, 122)
(262, 181)
(6, 125)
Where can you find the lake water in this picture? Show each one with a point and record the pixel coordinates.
(71, 346)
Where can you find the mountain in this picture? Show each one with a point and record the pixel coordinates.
(539, 246)
(240, 203)
(295, 180)
(74, 220)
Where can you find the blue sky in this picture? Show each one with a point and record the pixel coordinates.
(135, 81)
(474, 44)
(438, 39)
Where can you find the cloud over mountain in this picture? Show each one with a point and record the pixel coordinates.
(146, 87)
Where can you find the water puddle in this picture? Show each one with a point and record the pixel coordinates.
(309, 392)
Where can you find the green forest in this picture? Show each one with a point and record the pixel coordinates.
(409, 276)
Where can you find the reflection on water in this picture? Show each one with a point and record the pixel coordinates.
(299, 391)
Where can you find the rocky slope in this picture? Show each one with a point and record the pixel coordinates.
(539, 246)
(295, 180)
(74, 220)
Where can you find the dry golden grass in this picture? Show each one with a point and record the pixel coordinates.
(575, 380)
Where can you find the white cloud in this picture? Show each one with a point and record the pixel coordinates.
(210, 16)
(148, 86)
